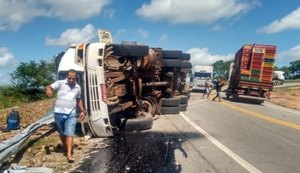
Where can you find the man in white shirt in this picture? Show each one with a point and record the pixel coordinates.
(68, 97)
(208, 87)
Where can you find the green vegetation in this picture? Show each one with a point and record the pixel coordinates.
(28, 81)
(221, 69)
(292, 71)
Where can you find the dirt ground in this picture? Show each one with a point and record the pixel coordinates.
(287, 97)
(42, 149)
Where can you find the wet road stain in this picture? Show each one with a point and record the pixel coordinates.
(130, 152)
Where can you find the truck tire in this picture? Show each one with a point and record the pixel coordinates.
(183, 107)
(172, 63)
(143, 122)
(130, 50)
(186, 64)
(186, 56)
(170, 102)
(183, 99)
(170, 110)
(172, 54)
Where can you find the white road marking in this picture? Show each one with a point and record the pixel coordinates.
(226, 150)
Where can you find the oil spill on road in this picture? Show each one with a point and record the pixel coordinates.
(136, 152)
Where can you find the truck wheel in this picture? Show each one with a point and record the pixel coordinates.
(172, 54)
(183, 107)
(183, 99)
(227, 94)
(130, 50)
(172, 62)
(170, 102)
(186, 56)
(235, 96)
(170, 110)
(186, 64)
(149, 106)
(143, 122)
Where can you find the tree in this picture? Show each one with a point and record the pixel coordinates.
(30, 77)
(295, 68)
(221, 68)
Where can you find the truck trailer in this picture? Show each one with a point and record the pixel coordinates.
(252, 72)
(126, 85)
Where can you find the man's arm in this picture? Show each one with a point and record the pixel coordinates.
(81, 109)
(49, 90)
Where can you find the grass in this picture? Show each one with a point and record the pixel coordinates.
(287, 97)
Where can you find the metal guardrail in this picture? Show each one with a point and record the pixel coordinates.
(13, 145)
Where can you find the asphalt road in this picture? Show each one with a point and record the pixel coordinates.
(223, 137)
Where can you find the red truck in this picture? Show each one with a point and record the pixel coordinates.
(252, 72)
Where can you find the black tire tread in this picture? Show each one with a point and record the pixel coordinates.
(142, 123)
(130, 50)
(170, 110)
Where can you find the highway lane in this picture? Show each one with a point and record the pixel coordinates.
(266, 137)
(209, 137)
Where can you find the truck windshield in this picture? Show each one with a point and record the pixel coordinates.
(202, 75)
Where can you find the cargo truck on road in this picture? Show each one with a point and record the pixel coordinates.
(252, 72)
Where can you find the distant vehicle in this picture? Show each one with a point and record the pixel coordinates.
(278, 77)
(201, 72)
(252, 72)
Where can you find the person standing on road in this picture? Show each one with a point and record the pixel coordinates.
(207, 86)
(68, 97)
(219, 85)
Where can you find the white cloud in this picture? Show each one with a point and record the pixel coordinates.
(202, 56)
(142, 33)
(75, 9)
(121, 32)
(74, 35)
(163, 37)
(7, 59)
(191, 11)
(285, 57)
(14, 14)
(217, 28)
(291, 21)
(109, 13)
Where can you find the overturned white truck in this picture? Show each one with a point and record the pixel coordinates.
(126, 85)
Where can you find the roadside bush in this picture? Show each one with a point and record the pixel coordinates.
(10, 96)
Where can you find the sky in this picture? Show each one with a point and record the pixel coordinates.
(210, 30)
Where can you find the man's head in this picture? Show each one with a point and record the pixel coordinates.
(71, 77)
